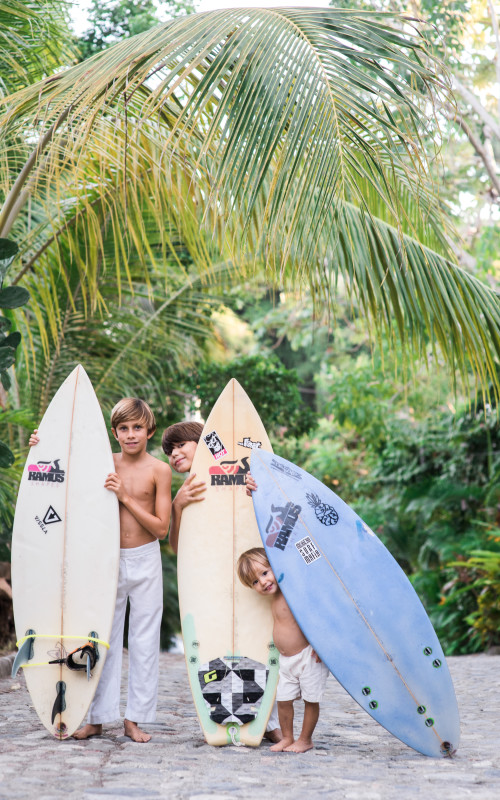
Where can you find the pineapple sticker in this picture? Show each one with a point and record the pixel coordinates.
(325, 513)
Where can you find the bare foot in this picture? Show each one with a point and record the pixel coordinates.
(136, 734)
(281, 745)
(87, 731)
(299, 746)
(273, 736)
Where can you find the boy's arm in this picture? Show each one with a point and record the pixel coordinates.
(189, 492)
(156, 524)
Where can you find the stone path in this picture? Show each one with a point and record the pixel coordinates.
(354, 758)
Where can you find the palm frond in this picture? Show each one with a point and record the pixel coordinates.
(292, 134)
(35, 40)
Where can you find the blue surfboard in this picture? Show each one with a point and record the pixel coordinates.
(355, 606)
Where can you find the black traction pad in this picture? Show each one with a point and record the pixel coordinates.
(233, 688)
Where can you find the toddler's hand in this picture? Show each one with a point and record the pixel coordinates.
(34, 438)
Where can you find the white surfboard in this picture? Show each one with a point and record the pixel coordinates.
(227, 627)
(65, 557)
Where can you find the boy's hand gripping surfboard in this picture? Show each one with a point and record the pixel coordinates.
(355, 606)
(65, 556)
(227, 627)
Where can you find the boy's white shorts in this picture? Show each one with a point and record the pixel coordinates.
(302, 676)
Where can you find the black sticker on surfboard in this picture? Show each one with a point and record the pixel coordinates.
(324, 513)
(214, 444)
(46, 472)
(51, 516)
(247, 442)
(308, 550)
(281, 524)
(229, 473)
(286, 470)
(233, 688)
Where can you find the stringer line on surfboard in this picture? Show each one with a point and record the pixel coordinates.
(445, 746)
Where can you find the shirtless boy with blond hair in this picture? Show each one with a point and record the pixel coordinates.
(142, 485)
(302, 673)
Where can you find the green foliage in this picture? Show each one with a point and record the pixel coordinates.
(10, 297)
(112, 21)
(272, 388)
(444, 19)
(472, 595)
(35, 39)
(13, 421)
(170, 623)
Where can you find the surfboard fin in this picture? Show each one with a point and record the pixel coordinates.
(25, 653)
(60, 701)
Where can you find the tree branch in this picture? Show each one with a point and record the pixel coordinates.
(476, 144)
(477, 106)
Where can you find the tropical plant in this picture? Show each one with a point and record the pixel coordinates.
(470, 602)
(466, 35)
(272, 388)
(307, 154)
(35, 41)
(10, 297)
(109, 22)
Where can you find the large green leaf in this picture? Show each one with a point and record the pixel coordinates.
(13, 297)
(8, 252)
(6, 456)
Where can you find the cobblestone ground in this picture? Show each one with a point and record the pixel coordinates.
(353, 757)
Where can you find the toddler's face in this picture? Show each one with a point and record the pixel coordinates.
(264, 581)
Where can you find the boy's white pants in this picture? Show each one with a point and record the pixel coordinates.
(141, 580)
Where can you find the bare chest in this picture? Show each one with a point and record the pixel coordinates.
(139, 484)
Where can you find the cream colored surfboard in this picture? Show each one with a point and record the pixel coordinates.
(227, 627)
(65, 556)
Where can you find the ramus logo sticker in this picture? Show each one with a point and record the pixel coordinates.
(46, 472)
(281, 524)
(229, 473)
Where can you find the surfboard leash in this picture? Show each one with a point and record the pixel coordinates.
(85, 649)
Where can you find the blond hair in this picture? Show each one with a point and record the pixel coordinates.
(130, 408)
(246, 564)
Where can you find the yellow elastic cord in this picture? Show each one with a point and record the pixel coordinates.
(60, 636)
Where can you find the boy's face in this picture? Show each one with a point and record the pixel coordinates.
(182, 456)
(132, 436)
(264, 581)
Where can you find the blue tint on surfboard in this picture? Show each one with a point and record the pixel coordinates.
(355, 606)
